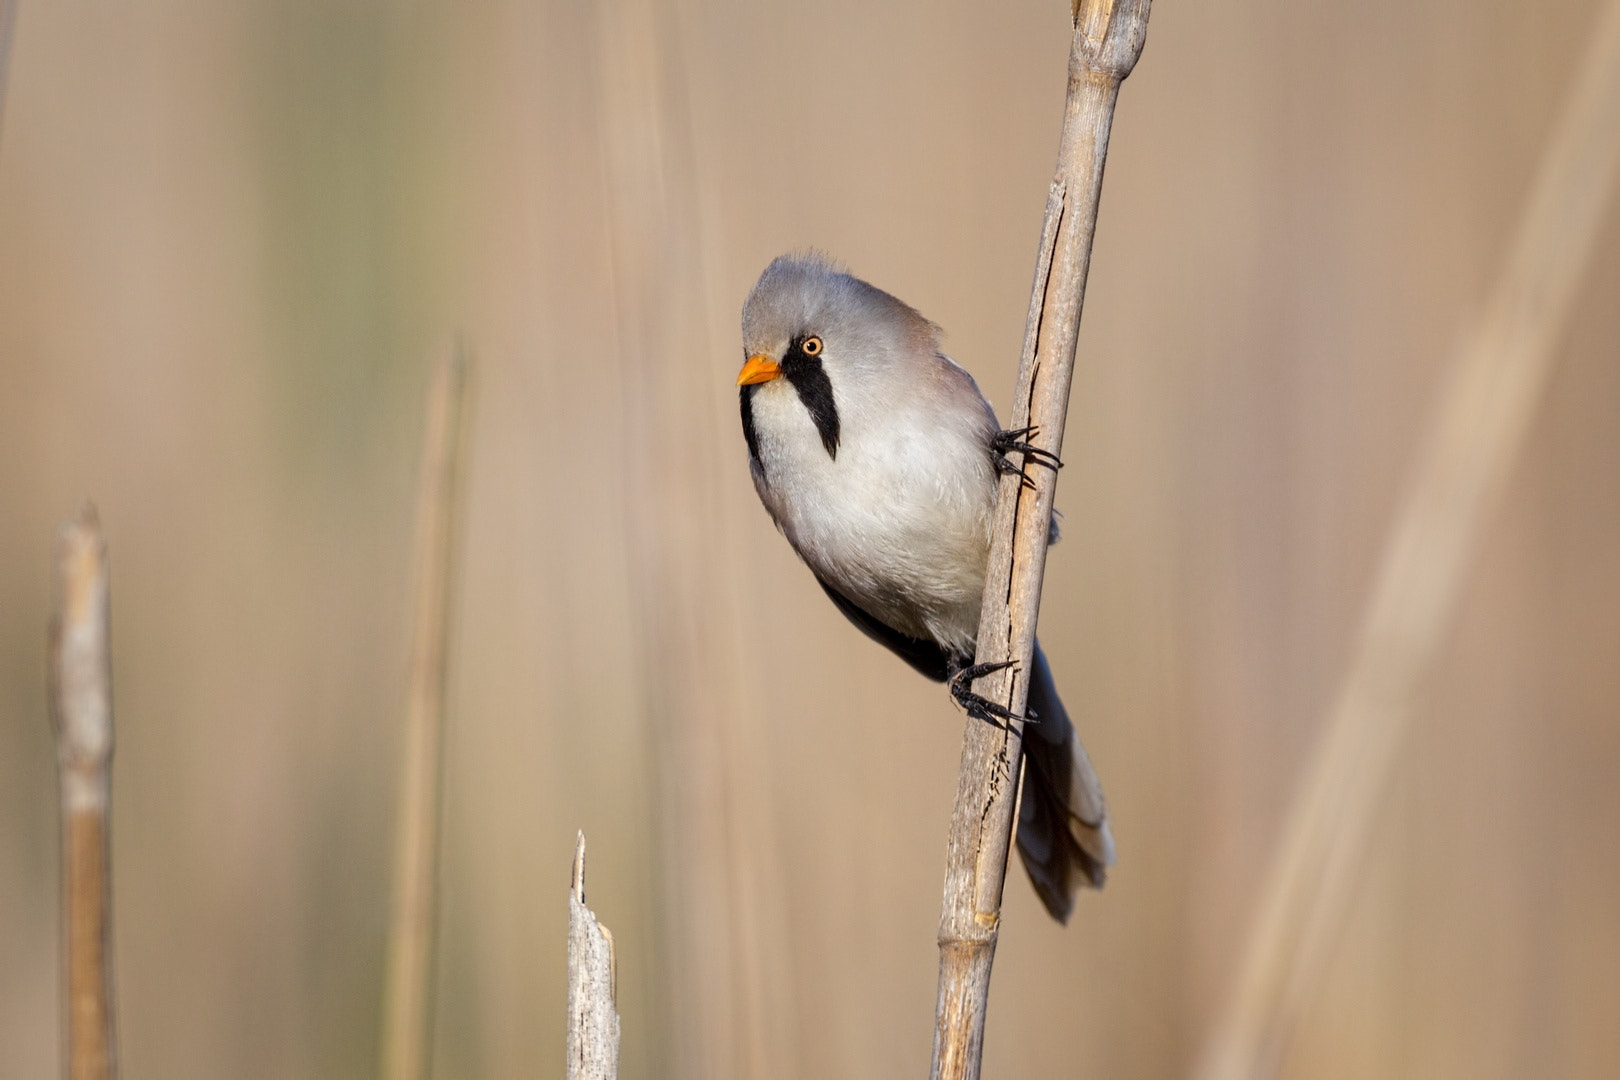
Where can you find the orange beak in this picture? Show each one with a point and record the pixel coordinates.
(760, 368)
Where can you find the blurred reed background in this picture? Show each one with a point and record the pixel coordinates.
(233, 238)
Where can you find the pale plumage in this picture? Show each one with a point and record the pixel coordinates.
(874, 453)
(898, 515)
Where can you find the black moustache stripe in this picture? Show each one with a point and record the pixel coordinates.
(746, 394)
(809, 378)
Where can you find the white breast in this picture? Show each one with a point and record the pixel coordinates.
(899, 521)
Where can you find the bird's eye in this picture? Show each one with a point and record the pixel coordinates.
(811, 346)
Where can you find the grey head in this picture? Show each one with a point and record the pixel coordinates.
(807, 294)
(848, 348)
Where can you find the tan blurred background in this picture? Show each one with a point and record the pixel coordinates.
(233, 238)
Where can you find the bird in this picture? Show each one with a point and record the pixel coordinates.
(878, 458)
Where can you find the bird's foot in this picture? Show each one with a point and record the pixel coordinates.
(1017, 439)
(977, 706)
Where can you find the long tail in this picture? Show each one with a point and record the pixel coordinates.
(1063, 834)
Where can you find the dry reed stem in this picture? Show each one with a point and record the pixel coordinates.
(1108, 37)
(593, 1012)
(1489, 398)
(8, 28)
(81, 712)
(407, 1003)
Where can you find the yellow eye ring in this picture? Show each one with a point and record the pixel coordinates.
(811, 346)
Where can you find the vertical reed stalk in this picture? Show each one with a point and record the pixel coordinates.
(8, 27)
(81, 711)
(407, 1003)
(1108, 37)
(1479, 426)
(593, 1010)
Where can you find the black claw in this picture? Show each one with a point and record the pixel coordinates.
(1007, 468)
(978, 671)
(977, 706)
(1017, 440)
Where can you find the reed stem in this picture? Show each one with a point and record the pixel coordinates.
(81, 711)
(1108, 38)
(408, 998)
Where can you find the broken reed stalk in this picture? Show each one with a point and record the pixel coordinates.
(1108, 37)
(593, 1011)
(1482, 416)
(407, 1003)
(81, 712)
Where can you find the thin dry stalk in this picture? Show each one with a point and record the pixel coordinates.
(8, 27)
(593, 1011)
(407, 1003)
(81, 711)
(1108, 37)
(1481, 419)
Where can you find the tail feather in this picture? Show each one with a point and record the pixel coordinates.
(1063, 835)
